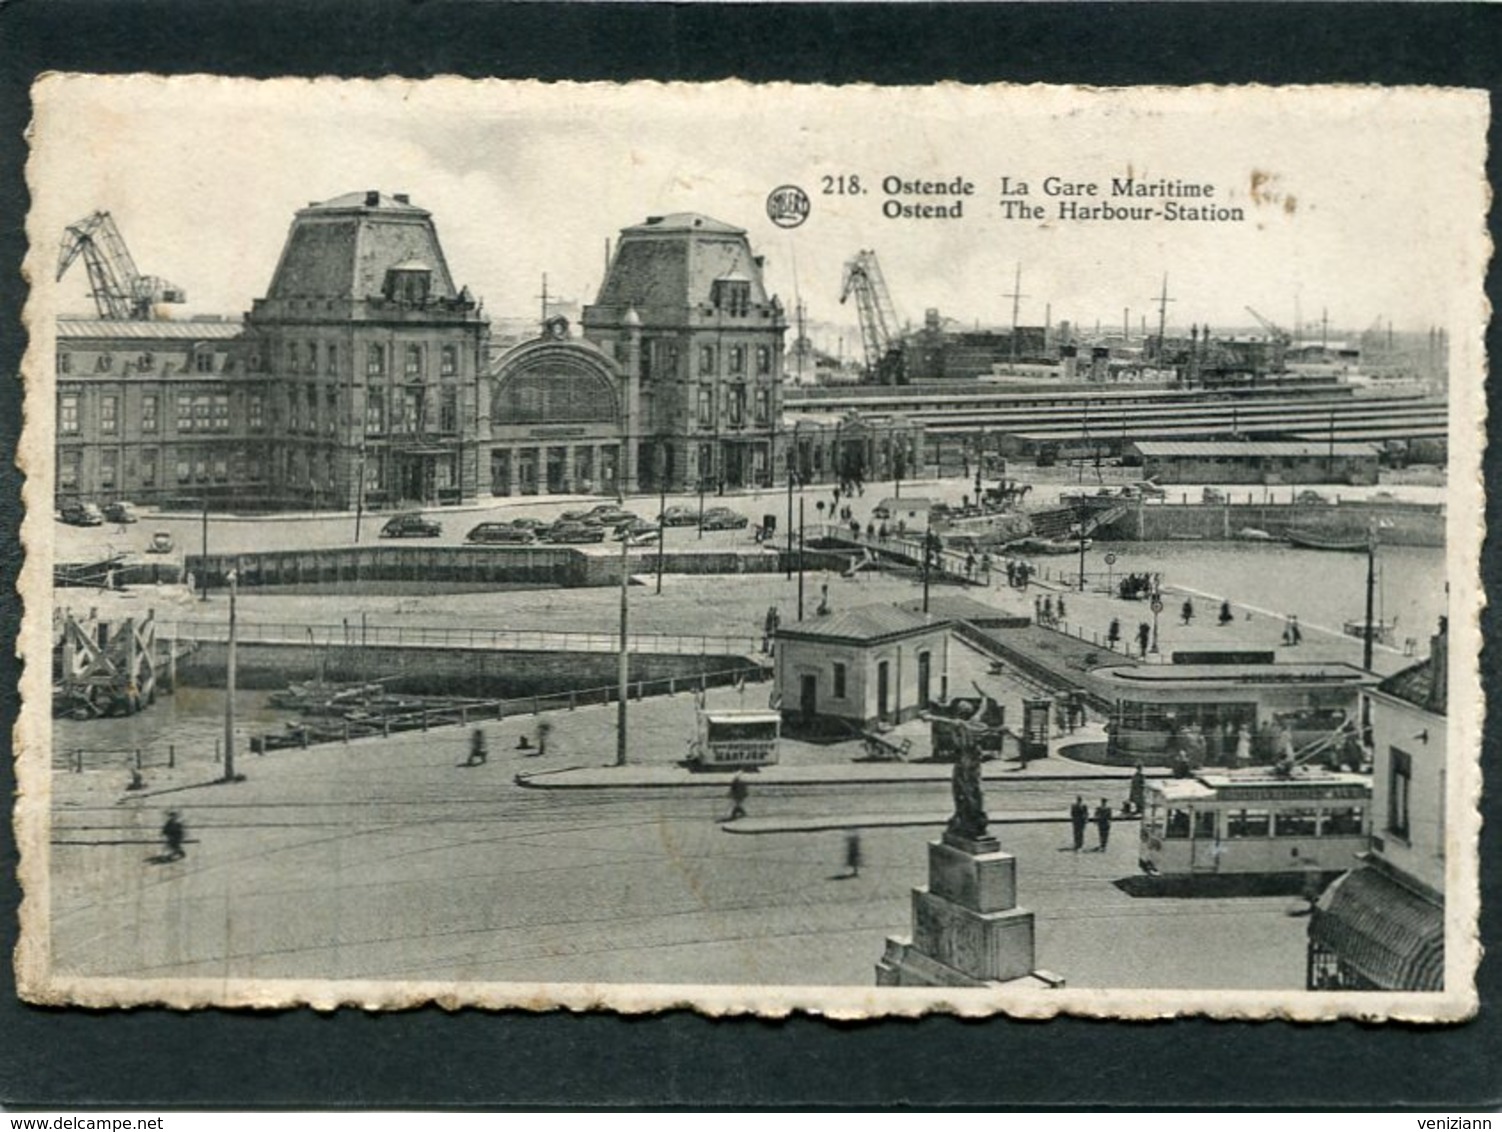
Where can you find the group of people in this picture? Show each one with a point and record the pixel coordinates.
(1135, 587)
(1019, 573)
(1080, 817)
(1047, 611)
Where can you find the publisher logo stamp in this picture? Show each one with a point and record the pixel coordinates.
(787, 206)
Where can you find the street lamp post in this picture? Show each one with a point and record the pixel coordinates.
(1082, 555)
(229, 679)
(800, 558)
(791, 474)
(360, 496)
(928, 554)
(1371, 586)
(701, 490)
(203, 560)
(662, 507)
(624, 660)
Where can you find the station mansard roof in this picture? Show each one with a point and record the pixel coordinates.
(671, 263)
(343, 248)
(865, 624)
(684, 222)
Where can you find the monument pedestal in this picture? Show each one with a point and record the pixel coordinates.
(967, 928)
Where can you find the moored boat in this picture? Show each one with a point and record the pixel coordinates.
(1315, 540)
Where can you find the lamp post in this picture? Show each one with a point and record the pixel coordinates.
(662, 506)
(1082, 555)
(1371, 587)
(229, 679)
(360, 496)
(624, 660)
(928, 554)
(701, 489)
(791, 474)
(800, 558)
(203, 571)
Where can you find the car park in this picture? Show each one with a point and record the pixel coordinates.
(724, 519)
(679, 516)
(411, 525)
(500, 533)
(576, 532)
(80, 514)
(119, 512)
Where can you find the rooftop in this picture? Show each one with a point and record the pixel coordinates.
(187, 329)
(1165, 675)
(863, 624)
(1416, 685)
(684, 222)
(1274, 448)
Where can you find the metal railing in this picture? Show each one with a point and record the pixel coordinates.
(364, 634)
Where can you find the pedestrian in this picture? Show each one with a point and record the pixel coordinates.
(1137, 792)
(1079, 817)
(853, 853)
(478, 752)
(855, 529)
(1113, 633)
(1103, 823)
(1059, 608)
(1038, 609)
(174, 833)
(1295, 631)
(1186, 611)
(871, 530)
(970, 564)
(1226, 616)
(881, 532)
(985, 566)
(1144, 634)
(738, 792)
(1011, 573)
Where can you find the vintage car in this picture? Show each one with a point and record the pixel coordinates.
(80, 514)
(119, 512)
(161, 543)
(679, 516)
(576, 532)
(724, 519)
(411, 525)
(501, 533)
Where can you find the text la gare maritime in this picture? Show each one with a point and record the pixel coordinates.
(1120, 199)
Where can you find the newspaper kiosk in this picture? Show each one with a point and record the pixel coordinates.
(734, 740)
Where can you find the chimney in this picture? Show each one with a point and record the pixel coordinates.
(402, 198)
(1439, 668)
(372, 198)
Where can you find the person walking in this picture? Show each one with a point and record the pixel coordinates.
(853, 853)
(1079, 817)
(1137, 792)
(1186, 611)
(1103, 824)
(738, 792)
(1059, 609)
(1144, 634)
(1047, 618)
(478, 752)
(174, 833)
(1226, 616)
(1113, 633)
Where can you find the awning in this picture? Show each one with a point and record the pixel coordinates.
(1388, 933)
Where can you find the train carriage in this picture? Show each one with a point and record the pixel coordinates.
(1255, 822)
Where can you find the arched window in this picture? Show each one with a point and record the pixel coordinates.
(547, 396)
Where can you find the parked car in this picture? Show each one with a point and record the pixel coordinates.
(1310, 497)
(411, 525)
(576, 532)
(80, 514)
(611, 519)
(119, 512)
(575, 516)
(724, 519)
(636, 530)
(679, 516)
(500, 532)
(528, 522)
(1147, 489)
(161, 543)
(881, 512)
(1212, 495)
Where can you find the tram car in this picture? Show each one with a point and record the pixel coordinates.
(1255, 822)
(735, 740)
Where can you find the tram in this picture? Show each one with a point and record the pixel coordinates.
(1255, 822)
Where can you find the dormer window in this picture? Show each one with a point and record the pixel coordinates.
(732, 296)
(410, 281)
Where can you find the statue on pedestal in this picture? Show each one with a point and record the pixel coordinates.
(969, 820)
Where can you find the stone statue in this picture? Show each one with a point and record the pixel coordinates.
(969, 820)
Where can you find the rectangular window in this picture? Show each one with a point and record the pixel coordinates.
(68, 462)
(412, 411)
(331, 365)
(203, 362)
(201, 467)
(330, 410)
(184, 413)
(104, 363)
(413, 367)
(763, 359)
(109, 466)
(221, 467)
(64, 362)
(67, 420)
(375, 412)
(737, 407)
(450, 362)
(1399, 783)
(738, 359)
(706, 360)
(1294, 823)
(203, 412)
(145, 362)
(1248, 823)
(375, 361)
(312, 407)
(221, 412)
(839, 681)
(448, 412)
(762, 412)
(184, 467)
(293, 360)
(149, 412)
(256, 411)
(1177, 826)
(294, 409)
(255, 470)
(706, 406)
(1341, 821)
(148, 467)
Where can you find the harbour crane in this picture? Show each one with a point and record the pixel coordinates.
(878, 318)
(1275, 332)
(119, 290)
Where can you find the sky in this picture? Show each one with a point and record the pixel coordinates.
(1368, 206)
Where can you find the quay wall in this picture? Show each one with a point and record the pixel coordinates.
(1401, 525)
(449, 569)
(480, 673)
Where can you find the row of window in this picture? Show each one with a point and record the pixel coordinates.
(410, 412)
(306, 357)
(190, 466)
(1339, 821)
(144, 362)
(735, 406)
(201, 412)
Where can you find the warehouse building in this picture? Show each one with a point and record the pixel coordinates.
(1253, 461)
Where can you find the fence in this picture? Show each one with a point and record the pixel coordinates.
(76, 760)
(519, 640)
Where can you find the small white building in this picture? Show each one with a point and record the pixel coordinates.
(866, 666)
(1381, 926)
